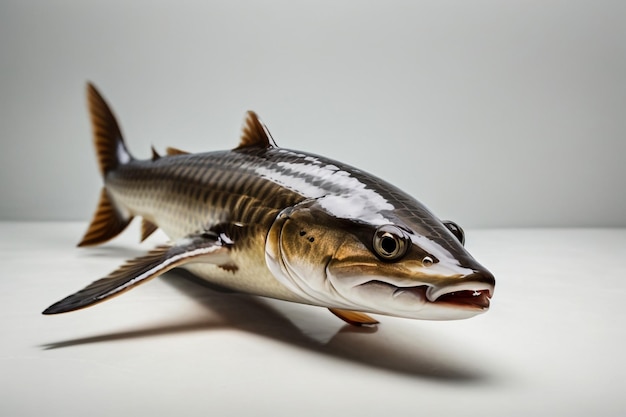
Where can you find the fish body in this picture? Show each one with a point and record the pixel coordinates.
(283, 224)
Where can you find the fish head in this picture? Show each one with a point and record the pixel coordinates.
(412, 266)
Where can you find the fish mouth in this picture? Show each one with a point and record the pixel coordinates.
(472, 299)
(472, 296)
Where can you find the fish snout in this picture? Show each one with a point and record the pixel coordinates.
(482, 276)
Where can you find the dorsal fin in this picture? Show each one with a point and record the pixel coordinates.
(175, 151)
(255, 134)
(155, 154)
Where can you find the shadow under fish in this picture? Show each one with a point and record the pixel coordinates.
(421, 356)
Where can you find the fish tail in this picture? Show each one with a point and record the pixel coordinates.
(107, 136)
(109, 220)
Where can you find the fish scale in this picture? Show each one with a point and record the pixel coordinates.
(187, 193)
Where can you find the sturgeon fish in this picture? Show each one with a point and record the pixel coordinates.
(279, 223)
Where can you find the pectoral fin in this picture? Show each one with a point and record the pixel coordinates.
(354, 318)
(198, 248)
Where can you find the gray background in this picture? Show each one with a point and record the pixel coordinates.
(492, 113)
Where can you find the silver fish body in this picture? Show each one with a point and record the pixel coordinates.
(284, 224)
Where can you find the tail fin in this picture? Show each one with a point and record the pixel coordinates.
(108, 221)
(107, 136)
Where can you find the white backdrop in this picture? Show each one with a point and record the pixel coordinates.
(491, 113)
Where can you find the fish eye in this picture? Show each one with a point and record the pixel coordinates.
(390, 243)
(456, 230)
(427, 261)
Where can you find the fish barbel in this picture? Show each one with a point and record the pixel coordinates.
(279, 223)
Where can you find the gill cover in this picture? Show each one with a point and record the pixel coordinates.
(299, 245)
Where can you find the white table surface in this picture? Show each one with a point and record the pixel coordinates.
(553, 343)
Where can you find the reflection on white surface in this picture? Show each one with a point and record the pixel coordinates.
(549, 346)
